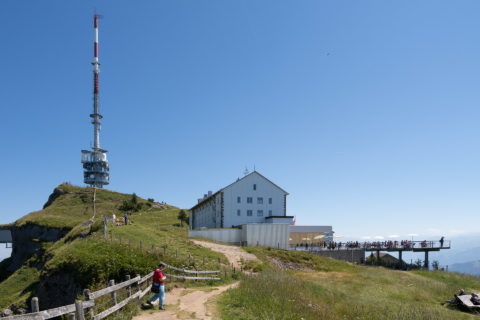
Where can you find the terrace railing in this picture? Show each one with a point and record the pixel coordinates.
(379, 245)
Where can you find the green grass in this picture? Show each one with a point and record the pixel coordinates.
(16, 289)
(331, 289)
(93, 260)
(75, 207)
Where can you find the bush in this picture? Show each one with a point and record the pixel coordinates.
(131, 205)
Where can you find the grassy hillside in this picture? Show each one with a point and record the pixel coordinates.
(295, 285)
(83, 258)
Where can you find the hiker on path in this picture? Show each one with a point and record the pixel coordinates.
(158, 286)
(442, 239)
(125, 218)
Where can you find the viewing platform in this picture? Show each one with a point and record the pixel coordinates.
(425, 246)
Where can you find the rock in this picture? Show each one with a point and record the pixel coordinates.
(21, 311)
(6, 313)
(56, 193)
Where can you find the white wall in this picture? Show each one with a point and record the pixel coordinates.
(243, 189)
(271, 235)
(230, 236)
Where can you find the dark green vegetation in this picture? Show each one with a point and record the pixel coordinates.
(296, 285)
(83, 258)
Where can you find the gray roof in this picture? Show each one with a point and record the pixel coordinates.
(215, 193)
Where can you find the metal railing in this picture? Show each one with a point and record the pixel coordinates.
(377, 245)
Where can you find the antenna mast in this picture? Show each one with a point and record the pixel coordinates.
(95, 164)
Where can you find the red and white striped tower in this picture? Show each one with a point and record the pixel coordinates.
(96, 71)
(95, 164)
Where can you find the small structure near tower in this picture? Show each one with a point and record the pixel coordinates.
(95, 164)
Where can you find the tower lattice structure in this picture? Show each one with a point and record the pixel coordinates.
(95, 164)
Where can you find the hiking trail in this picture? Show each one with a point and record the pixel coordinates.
(197, 303)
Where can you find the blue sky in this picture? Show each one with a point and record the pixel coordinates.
(367, 112)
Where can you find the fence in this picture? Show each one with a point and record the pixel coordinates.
(164, 251)
(130, 289)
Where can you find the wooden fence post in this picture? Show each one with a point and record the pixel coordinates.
(86, 294)
(129, 288)
(34, 304)
(139, 288)
(104, 229)
(71, 316)
(189, 259)
(138, 284)
(79, 309)
(153, 248)
(114, 294)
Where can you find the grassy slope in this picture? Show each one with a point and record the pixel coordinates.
(17, 288)
(338, 290)
(94, 260)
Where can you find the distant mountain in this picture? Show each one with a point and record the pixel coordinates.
(453, 256)
(472, 267)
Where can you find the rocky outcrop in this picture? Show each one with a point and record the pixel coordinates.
(57, 192)
(58, 289)
(27, 241)
(6, 313)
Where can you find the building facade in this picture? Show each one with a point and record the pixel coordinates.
(251, 199)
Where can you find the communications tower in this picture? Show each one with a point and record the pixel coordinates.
(95, 164)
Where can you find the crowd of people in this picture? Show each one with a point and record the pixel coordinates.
(119, 221)
(382, 245)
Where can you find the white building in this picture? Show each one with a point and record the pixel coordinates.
(249, 200)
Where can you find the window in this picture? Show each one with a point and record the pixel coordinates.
(238, 199)
(269, 200)
(249, 200)
(269, 213)
(260, 213)
(249, 213)
(254, 187)
(259, 200)
(238, 212)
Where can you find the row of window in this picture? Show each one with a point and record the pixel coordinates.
(250, 213)
(250, 200)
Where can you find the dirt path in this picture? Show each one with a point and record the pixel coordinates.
(196, 303)
(186, 304)
(233, 254)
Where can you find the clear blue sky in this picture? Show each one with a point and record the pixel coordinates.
(367, 112)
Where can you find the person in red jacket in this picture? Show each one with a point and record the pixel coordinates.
(158, 286)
